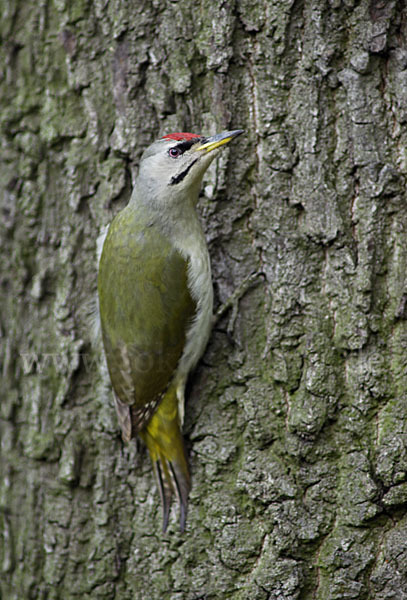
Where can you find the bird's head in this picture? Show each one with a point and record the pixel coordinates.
(173, 166)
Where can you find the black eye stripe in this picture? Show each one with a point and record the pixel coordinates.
(187, 144)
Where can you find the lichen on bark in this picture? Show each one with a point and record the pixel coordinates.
(296, 427)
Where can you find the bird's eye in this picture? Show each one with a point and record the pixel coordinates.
(174, 152)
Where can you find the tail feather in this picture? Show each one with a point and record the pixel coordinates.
(165, 492)
(164, 441)
(182, 485)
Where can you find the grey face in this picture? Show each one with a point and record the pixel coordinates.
(170, 161)
(174, 164)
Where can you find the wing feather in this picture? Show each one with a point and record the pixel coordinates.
(146, 309)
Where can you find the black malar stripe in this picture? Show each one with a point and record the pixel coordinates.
(177, 178)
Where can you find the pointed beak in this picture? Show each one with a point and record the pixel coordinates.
(215, 141)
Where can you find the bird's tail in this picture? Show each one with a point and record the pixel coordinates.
(165, 443)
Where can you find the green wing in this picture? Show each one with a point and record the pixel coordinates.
(145, 309)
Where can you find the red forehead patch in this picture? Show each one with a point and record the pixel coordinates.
(180, 136)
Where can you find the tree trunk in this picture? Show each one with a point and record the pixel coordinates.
(295, 423)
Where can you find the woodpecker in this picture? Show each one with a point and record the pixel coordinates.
(156, 301)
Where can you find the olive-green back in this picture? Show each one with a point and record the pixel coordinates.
(145, 308)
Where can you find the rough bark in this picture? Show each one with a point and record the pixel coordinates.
(296, 427)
